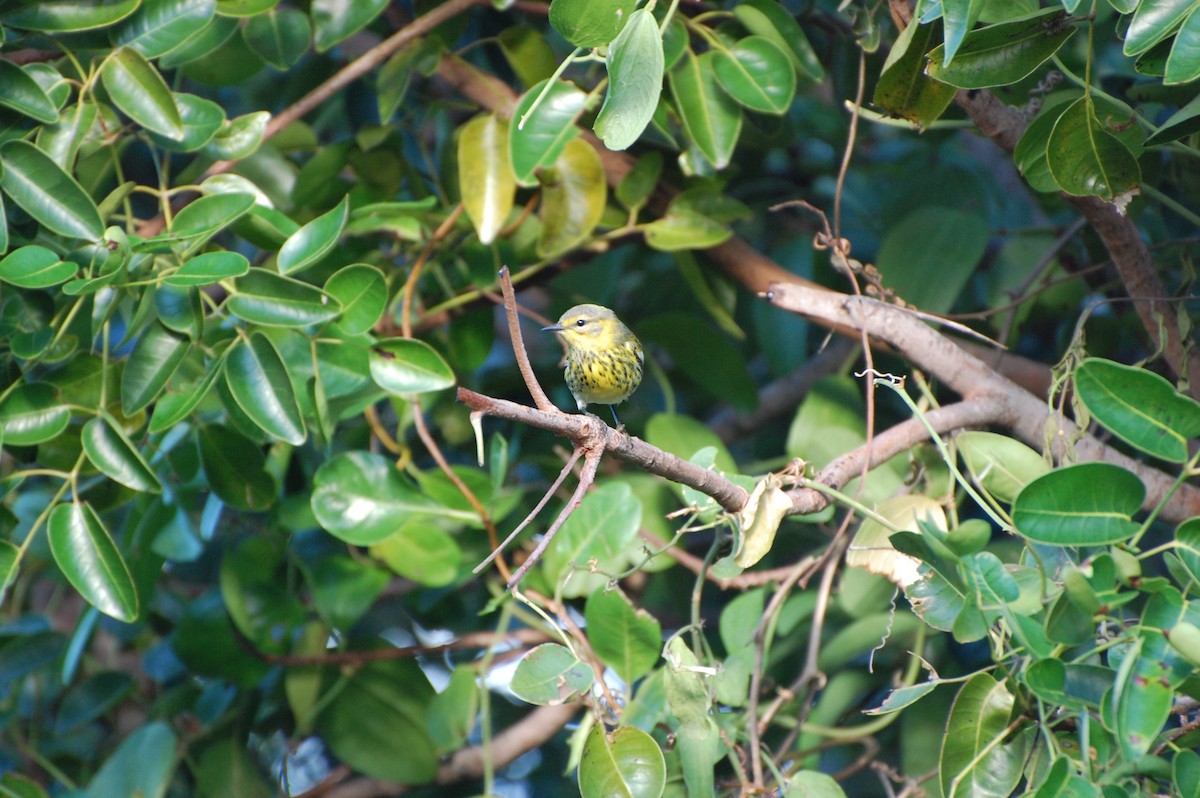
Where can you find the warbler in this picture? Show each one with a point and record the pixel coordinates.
(604, 359)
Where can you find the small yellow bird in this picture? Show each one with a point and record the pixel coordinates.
(604, 359)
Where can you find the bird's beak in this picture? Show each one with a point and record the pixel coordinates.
(553, 328)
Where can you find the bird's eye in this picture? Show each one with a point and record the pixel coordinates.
(581, 322)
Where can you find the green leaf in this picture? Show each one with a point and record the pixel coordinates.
(156, 355)
(239, 137)
(90, 560)
(1183, 64)
(528, 52)
(1182, 123)
(485, 177)
(756, 72)
(1088, 504)
(626, 639)
(550, 674)
(638, 183)
(1002, 465)
(362, 499)
(245, 8)
(904, 90)
(590, 23)
(683, 229)
(159, 26)
(422, 552)
(35, 267)
(959, 16)
(1140, 407)
(31, 414)
(1153, 22)
(635, 77)
(111, 451)
(258, 380)
(970, 757)
(711, 117)
(263, 297)
(538, 138)
(51, 196)
(135, 87)
(628, 764)
(142, 765)
(315, 240)
(574, 194)
(235, 469)
(1085, 159)
(281, 36)
(770, 19)
(406, 366)
(362, 291)
(930, 254)
(23, 94)
(65, 16)
(209, 268)
(335, 20)
(1187, 539)
(201, 120)
(206, 216)
(204, 40)
(1002, 54)
(175, 405)
(603, 527)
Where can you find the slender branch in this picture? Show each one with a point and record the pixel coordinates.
(540, 399)
(590, 465)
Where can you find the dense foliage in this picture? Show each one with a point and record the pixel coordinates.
(912, 503)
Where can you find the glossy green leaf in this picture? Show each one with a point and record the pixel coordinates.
(1085, 159)
(239, 137)
(201, 120)
(683, 229)
(111, 451)
(362, 291)
(258, 380)
(62, 140)
(485, 176)
(235, 467)
(550, 674)
(958, 17)
(24, 95)
(315, 240)
(280, 36)
(64, 16)
(1187, 539)
(528, 52)
(142, 765)
(929, 255)
(536, 139)
(1182, 123)
(204, 40)
(245, 8)
(206, 216)
(159, 26)
(1154, 21)
(178, 402)
(335, 20)
(136, 87)
(590, 23)
(1002, 465)
(421, 551)
(406, 366)
(771, 20)
(626, 639)
(1004, 53)
(31, 414)
(1183, 64)
(362, 499)
(1088, 504)
(1140, 407)
(970, 757)
(603, 527)
(209, 268)
(904, 90)
(711, 117)
(635, 77)
(156, 355)
(263, 297)
(638, 184)
(51, 196)
(35, 267)
(90, 560)
(627, 763)
(574, 194)
(756, 72)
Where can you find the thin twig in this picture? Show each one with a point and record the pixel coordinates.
(590, 464)
(540, 400)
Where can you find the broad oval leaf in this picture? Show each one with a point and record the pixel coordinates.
(361, 498)
(770, 19)
(590, 23)
(1154, 21)
(485, 177)
(904, 90)
(757, 74)
(90, 560)
(1140, 407)
(239, 137)
(1002, 465)
(235, 467)
(209, 268)
(1085, 159)
(406, 366)
(626, 639)
(538, 136)
(711, 117)
(1088, 504)
(421, 551)
(156, 355)
(51, 196)
(136, 87)
(35, 267)
(628, 764)
(31, 414)
(635, 77)
(280, 36)
(362, 291)
(603, 527)
(111, 451)
(550, 674)
(335, 20)
(258, 380)
(1005, 53)
(23, 94)
(263, 297)
(970, 756)
(159, 26)
(574, 194)
(315, 240)
(201, 120)
(683, 229)
(65, 16)
(1183, 64)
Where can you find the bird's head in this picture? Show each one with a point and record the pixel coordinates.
(588, 327)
